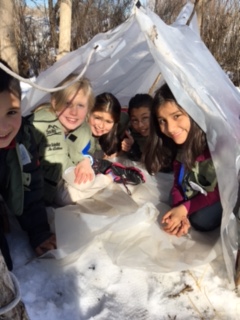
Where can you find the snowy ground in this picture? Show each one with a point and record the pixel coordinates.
(91, 286)
(94, 288)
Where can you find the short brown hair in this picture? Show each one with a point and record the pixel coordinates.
(8, 82)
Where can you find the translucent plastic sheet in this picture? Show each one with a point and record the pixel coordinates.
(69, 192)
(130, 231)
(121, 64)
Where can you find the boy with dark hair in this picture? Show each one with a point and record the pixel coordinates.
(139, 110)
(21, 182)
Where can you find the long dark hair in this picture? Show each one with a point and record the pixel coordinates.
(161, 150)
(106, 102)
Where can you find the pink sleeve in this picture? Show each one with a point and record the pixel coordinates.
(177, 194)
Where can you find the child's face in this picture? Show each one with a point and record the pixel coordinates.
(139, 119)
(10, 118)
(173, 122)
(100, 123)
(73, 114)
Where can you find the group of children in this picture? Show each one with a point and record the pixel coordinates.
(74, 127)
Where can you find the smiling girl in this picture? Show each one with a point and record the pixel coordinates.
(108, 124)
(176, 139)
(63, 136)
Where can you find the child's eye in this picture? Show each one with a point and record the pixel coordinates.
(145, 119)
(109, 122)
(134, 121)
(161, 121)
(12, 112)
(176, 116)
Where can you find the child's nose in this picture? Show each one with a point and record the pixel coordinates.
(4, 125)
(101, 124)
(171, 126)
(73, 110)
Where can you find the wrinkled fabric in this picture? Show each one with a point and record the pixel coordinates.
(130, 229)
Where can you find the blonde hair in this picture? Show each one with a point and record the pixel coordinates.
(61, 97)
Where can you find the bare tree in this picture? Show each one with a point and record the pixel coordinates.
(220, 31)
(33, 38)
(168, 10)
(95, 16)
(65, 27)
(52, 11)
(219, 22)
(8, 49)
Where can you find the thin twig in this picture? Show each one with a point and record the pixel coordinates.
(193, 12)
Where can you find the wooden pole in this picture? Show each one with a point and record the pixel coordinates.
(65, 27)
(153, 86)
(8, 50)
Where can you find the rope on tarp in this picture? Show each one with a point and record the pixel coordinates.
(33, 84)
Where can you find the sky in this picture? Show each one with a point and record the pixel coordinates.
(38, 2)
(45, 3)
(111, 268)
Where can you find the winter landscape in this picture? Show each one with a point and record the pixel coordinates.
(114, 261)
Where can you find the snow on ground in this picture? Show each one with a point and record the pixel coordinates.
(93, 287)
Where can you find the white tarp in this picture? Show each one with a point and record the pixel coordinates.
(121, 64)
(129, 228)
(128, 60)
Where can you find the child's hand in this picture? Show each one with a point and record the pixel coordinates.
(114, 155)
(83, 171)
(184, 227)
(46, 246)
(174, 220)
(127, 142)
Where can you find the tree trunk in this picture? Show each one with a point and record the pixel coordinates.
(8, 51)
(52, 22)
(65, 27)
(200, 11)
(7, 295)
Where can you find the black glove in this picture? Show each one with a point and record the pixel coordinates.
(120, 173)
(3, 242)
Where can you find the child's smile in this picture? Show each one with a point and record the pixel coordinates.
(173, 122)
(74, 113)
(140, 120)
(10, 118)
(100, 123)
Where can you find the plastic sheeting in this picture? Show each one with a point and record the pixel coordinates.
(129, 59)
(130, 229)
(121, 64)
